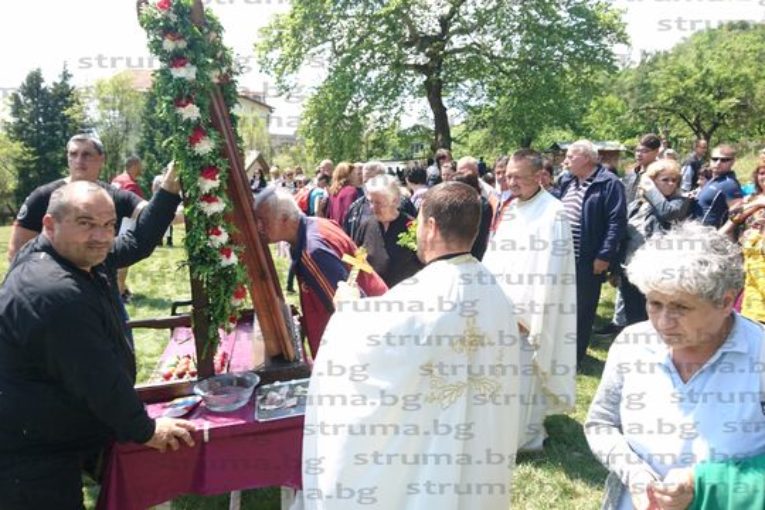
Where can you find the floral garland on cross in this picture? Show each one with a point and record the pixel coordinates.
(194, 60)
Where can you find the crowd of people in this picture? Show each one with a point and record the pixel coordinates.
(682, 246)
(436, 359)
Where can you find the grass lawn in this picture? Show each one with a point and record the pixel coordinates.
(565, 475)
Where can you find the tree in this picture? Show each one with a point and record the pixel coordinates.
(11, 153)
(712, 83)
(118, 119)
(254, 133)
(42, 120)
(154, 133)
(382, 55)
(554, 70)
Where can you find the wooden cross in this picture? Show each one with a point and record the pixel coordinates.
(274, 316)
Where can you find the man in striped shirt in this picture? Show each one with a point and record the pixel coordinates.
(595, 205)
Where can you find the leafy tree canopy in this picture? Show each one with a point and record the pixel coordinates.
(712, 85)
(514, 65)
(43, 118)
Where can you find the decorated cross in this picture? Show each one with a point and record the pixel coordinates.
(358, 262)
(196, 81)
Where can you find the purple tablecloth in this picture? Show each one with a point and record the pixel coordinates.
(239, 453)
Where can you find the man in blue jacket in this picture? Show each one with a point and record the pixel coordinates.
(596, 208)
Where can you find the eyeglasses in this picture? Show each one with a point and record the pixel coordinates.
(723, 160)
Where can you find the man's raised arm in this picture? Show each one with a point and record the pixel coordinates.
(19, 237)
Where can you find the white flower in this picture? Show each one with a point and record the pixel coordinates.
(204, 146)
(228, 258)
(187, 72)
(206, 185)
(212, 205)
(218, 239)
(170, 44)
(188, 112)
(216, 75)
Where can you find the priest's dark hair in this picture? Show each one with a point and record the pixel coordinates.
(456, 209)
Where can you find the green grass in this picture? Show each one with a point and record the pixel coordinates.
(565, 475)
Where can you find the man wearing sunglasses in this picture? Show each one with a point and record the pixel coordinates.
(721, 192)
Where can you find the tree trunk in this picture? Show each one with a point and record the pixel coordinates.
(434, 88)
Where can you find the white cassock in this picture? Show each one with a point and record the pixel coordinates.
(413, 398)
(532, 256)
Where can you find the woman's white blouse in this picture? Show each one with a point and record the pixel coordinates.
(644, 416)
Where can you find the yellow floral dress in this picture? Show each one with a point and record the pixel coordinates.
(753, 246)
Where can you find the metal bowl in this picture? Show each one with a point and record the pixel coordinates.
(227, 392)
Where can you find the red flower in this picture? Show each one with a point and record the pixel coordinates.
(232, 320)
(226, 252)
(179, 62)
(164, 5)
(183, 102)
(197, 135)
(215, 231)
(173, 36)
(240, 292)
(210, 173)
(210, 199)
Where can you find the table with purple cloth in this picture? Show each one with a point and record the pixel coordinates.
(232, 452)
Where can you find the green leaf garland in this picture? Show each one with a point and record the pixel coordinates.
(194, 60)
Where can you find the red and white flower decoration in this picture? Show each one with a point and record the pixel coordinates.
(227, 256)
(217, 237)
(187, 109)
(210, 204)
(200, 143)
(173, 41)
(185, 52)
(209, 179)
(181, 68)
(240, 294)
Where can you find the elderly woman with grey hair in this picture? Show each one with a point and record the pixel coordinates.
(680, 390)
(379, 232)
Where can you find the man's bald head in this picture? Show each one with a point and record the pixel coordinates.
(80, 223)
(467, 165)
(70, 196)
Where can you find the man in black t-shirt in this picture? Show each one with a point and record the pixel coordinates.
(85, 159)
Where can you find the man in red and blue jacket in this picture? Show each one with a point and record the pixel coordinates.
(317, 246)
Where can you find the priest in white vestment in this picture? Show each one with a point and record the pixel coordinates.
(532, 256)
(413, 399)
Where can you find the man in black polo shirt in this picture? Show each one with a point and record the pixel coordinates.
(66, 369)
(722, 192)
(85, 159)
